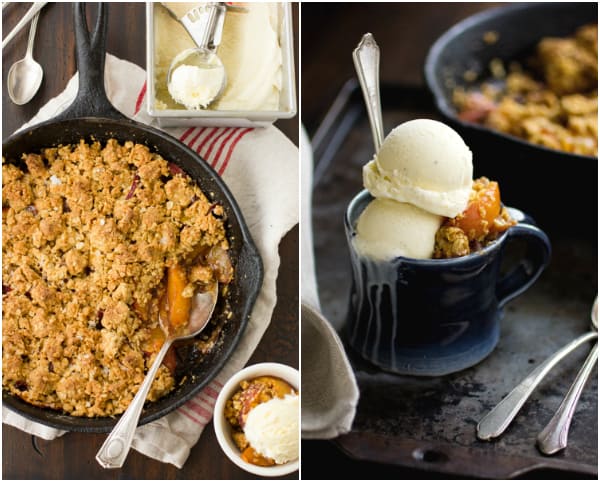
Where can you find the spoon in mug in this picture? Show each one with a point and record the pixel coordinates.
(554, 436)
(114, 451)
(366, 62)
(500, 417)
(25, 76)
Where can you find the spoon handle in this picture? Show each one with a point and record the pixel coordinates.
(115, 448)
(554, 436)
(499, 418)
(32, 30)
(36, 7)
(366, 62)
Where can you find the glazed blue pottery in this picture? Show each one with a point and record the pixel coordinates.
(432, 317)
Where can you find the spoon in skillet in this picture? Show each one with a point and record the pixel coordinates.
(115, 448)
(500, 417)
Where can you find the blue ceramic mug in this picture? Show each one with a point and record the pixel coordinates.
(432, 317)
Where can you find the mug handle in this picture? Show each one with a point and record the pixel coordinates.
(528, 270)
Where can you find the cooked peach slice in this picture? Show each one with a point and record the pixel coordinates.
(179, 305)
(253, 457)
(483, 208)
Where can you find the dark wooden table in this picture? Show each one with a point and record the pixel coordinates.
(404, 33)
(73, 455)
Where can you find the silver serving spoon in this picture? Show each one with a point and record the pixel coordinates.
(366, 63)
(115, 448)
(500, 417)
(554, 436)
(25, 76)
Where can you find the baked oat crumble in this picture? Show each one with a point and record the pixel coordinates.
(552, 101)
(89, 232)
(480, 224)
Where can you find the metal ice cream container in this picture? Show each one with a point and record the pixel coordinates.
(234, 118)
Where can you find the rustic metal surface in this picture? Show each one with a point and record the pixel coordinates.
(429, 423)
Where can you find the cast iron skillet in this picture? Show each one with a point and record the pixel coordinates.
(92, 116)
(520, 28)
(514, 162)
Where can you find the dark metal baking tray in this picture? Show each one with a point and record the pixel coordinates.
(429, 423)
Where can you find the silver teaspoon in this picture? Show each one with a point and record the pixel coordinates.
(114, 451)
(366, 63)
(554, 436)
(500, 417)
(25, 76)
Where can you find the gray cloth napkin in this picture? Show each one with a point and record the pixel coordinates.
(329, 390)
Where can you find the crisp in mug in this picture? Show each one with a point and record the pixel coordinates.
(433, 317)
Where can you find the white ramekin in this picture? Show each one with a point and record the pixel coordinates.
(223, 429)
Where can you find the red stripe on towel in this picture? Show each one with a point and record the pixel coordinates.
(210, 392)
(190, 416)
(212, 146)
(195, 138)
(231, 148)
(186, 134)
(222, 146)
(140, 99)
(199, 410)
(208, 401)
(206, 139)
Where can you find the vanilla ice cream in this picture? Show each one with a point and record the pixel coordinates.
(387, 229)
(249, 49)
(272, 428)
(196, 87)
(425, 163)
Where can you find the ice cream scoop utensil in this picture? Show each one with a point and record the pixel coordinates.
(114, 451)
(366, 62)
(204, 23)
(553, 437)
(25, 76)
(500, 417)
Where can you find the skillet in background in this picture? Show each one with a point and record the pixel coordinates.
(542, 181)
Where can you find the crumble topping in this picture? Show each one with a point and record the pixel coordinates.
(89, 231)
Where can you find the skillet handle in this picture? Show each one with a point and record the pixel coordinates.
(91, 99)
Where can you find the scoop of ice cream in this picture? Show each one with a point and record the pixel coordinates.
(272, 428)
(425, 163)
(196, 87)
(387, 229)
